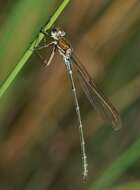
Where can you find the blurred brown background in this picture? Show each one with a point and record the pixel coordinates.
(40, 146)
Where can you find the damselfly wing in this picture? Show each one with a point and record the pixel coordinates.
(97, 99)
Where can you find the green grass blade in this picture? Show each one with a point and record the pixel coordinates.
(28, 53)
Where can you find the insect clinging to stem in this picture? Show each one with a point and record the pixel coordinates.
(97, 99)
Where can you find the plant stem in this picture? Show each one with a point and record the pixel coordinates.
(29, 52)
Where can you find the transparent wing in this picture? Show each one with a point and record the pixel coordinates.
(95, 96)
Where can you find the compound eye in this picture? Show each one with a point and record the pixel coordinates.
(54, 30)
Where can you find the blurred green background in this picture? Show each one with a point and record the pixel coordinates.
(39, 139)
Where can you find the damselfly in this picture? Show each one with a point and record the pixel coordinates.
(95, 96)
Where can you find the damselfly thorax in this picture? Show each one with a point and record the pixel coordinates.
(64, 47)
(63, 44)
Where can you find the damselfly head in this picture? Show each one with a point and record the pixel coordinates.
(57, 33)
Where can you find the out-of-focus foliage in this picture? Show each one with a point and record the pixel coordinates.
(39, 139)
(130, 185)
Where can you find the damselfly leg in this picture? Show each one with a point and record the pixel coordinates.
(45, 62)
